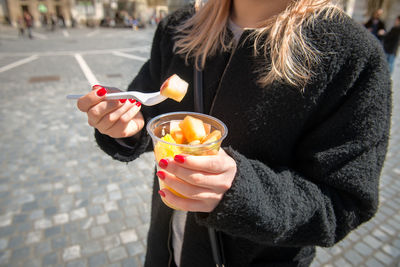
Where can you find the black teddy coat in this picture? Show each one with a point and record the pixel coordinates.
(308, 164)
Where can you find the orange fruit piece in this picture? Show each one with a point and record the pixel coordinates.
(174, 87)
(212, 137)
(192, 128)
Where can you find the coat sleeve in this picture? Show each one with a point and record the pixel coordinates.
(332, 186)
(147, 80)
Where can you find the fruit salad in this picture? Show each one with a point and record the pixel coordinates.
(190, 132)
(186, 133)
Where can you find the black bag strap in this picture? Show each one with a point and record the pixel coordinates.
(198, 91)
(215, 237)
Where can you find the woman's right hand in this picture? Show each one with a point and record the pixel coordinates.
(115, 118)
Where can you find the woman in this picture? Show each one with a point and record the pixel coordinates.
(305, 94)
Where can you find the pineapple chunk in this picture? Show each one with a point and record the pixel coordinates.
(163, 150)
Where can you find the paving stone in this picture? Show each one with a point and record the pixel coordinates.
(43, 224)
(50, 259)
(78, 214)
(15, 242)
(115, 195)
(77, 263)
(34, 263)
(71, 253)
(135, 248)
(111, 205)
(130, 262)
(372, 241)
(29, 206)
(5, 257)
(87, 223)
(112, 187)
(115, 215)
(373, 263)
(99, 199)
(363, 249)
(20, 254)
(98, 260)
(110, 242)
(95, 210)
(342, 263)
(50, 211)
(353, 257)
(79, 237)
(52, 231)
(383, 258)
(97, 232)
(59, 242)
(128, 236)
(391, 251)
(117, 254)
(7, 230)
(3, 243)
(36, 214)
(43, 248)
(61, 218)
(91, 248)
(19, 218)
(115, 227)
(74, 189)
(23, 228)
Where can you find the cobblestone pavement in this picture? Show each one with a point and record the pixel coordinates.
(65, 203)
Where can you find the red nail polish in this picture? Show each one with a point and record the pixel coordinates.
(122, 100)
(179, 158)
(132, 100)
(161, 193)
(163, 163)
(97, 86)
(138, 104)
(102, 92)
(161, 175)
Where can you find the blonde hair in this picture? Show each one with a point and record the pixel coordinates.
(292, 54)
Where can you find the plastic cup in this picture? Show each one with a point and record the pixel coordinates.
(158, 127)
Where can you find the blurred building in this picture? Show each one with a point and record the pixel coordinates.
(91, 12)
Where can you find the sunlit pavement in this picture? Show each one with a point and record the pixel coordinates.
(63, 202)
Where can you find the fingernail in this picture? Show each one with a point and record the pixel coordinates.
(138, 104)
(102, 92)
(161, 175)
(122, 100)
(97, 86)
(132, 100)
(163, 163)
(161, 193)
(179, 158)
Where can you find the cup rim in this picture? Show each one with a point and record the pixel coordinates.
(186, 113)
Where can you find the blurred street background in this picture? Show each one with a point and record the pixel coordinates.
(63, 202)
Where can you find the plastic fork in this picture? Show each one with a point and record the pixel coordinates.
(147, 99)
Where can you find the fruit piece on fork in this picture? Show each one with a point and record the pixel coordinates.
(174, 87)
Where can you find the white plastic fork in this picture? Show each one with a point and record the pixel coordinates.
(147, 99)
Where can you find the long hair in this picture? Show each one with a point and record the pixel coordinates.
(291, 54)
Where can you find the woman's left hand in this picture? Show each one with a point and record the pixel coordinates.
(202, 179)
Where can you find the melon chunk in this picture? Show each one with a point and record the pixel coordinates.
(192, 128)
(212, 137)
(207, 127)
(174, 87)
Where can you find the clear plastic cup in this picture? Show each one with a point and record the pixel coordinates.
(158, 127)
